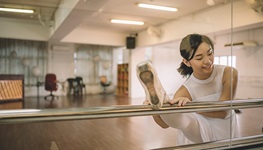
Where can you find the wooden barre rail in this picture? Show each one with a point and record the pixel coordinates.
(41, 115)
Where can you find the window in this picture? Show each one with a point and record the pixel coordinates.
(148, 53)
(120, 56)
(75, 62)
(93, 61)
(21, 57)
(225, 60)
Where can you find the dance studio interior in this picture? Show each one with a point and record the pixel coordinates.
(68, 77)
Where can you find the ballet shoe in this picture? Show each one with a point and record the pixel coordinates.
(146, 102)
(155, 93)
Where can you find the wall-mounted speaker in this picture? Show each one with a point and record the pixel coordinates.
(130, 42)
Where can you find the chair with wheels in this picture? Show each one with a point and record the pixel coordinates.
(104, 83)
(51, 85)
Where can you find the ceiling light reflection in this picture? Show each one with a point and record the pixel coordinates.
(127, 22)
(157, 7)
(17, 10)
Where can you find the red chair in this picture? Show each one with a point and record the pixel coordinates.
(51, 85)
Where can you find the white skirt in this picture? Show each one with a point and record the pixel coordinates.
(212, 129)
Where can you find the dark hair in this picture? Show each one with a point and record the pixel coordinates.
(188, 47)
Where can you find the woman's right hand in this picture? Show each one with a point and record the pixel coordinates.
(181, 101)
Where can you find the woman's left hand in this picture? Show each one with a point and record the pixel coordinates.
(181, 101)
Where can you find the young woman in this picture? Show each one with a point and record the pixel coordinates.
(205, 82)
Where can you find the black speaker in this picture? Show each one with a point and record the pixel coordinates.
(130, 42)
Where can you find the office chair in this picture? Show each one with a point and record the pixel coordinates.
(104, 83)
(51, 85)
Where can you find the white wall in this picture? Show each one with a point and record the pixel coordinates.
(17, 29)
(95, 36)
(166, 60)
(249, 61)
(135, 88)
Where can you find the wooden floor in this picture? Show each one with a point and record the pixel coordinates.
(129, 133)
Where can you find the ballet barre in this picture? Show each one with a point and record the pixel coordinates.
(42, 115)
(245, 143)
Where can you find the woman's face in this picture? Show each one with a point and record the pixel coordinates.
(202, 62)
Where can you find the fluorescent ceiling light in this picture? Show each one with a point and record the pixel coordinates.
(127, 22)
(17, 10)
(157, 7)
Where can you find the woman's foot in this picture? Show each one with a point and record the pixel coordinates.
(155, 93)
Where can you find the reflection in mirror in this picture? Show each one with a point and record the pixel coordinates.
(11, 91)
(47, 41)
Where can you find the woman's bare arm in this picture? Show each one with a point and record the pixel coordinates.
(181, 97)
(229, 82)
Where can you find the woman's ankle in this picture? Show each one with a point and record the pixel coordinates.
(160, 122)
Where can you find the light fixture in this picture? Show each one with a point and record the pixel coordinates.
(17, 10)
(127, 22)
(165, 8)
(210, 2)
(245, 43)
(215, 2)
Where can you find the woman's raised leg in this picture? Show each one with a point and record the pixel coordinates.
(186, 122)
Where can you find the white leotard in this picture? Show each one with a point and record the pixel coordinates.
(211, 129)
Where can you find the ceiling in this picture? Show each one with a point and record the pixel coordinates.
(44, 9)
(106, 10)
